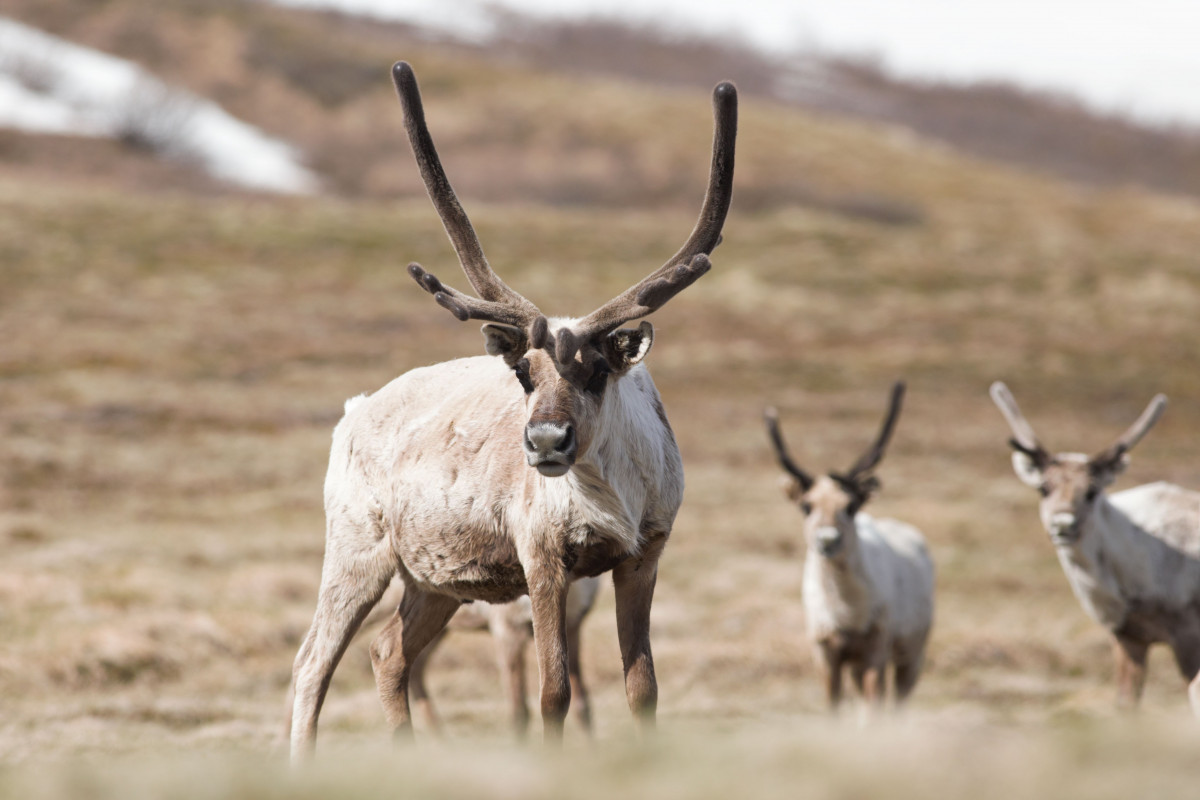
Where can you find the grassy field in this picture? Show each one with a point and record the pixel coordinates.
(172, 364)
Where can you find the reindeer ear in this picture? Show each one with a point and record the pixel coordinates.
(860, 490)
(1106, 473)
(868, 486)
(1026, 470)
(626, 347)
(505, 341)
(791, 487)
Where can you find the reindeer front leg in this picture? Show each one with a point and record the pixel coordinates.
(1185, 643)
(1131, 671)
(830, 658)
(547, 580)
(633, 581)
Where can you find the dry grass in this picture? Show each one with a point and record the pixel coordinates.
(171, 366)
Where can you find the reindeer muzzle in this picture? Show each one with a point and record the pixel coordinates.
(550, 448)
(830, 541)
(1064, 528)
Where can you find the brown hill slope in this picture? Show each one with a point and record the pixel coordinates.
(315, 79)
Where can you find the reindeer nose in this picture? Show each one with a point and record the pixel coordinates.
(829, 539)
(550, 446)
(1062, 524)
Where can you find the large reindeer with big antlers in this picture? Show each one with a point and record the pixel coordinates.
(491, 477)
(1132, 558)
(868, 582)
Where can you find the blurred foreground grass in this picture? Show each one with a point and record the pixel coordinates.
(906, 758)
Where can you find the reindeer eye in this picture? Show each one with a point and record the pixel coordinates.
(521, 368)
(806, 507)
(599, 379)
(1044, 490)
(1091, 493)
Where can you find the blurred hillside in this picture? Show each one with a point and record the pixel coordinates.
(319, 80)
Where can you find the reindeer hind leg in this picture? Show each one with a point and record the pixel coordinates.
(418, 692)
(350, 587)
(419, 620)
(579, 694)
(511, 634)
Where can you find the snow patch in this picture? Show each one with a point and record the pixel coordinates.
(50, 85)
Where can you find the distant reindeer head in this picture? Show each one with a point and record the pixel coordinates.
(564, 365)
(1070, 483)
(830, 502)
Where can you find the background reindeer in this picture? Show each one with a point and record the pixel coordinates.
(868, 583)
(511, 626)
(1132, 558)
(491, 477)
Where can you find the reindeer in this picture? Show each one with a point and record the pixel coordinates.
(515, 473)
(1132, 558)
(868, 583)
(511, 626)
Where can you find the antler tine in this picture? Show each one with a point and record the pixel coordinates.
(1135, 432)
(484, 280)
(874, 454)
(707, 233)
(1023, 434)
(771, 417)
(465, 307)
(683, 268)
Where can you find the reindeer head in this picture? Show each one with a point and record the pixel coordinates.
(564, 365)
(830, 502)
(1070, 484)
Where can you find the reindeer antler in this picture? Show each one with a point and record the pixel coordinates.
(874, 454)
(691, 261)
(1024, 439)
(465, 307)
(771, 417)
(499, 302)
(1134, 434)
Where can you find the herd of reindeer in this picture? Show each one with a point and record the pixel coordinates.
(498, 488)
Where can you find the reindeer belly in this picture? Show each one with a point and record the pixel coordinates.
(466, 565)
(1152, 620)
(854, 646)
